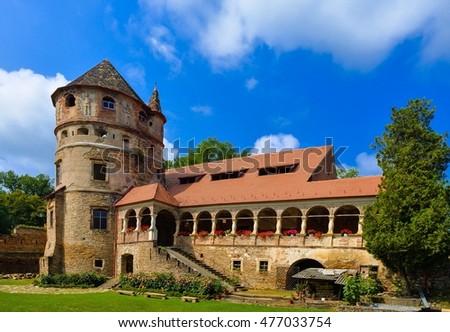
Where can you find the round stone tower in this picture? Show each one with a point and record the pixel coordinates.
(108, 140)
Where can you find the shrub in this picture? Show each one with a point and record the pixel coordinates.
(356, 287)
(84, 279)
(167, 283)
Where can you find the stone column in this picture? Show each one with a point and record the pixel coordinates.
(213, 225)
(177, 230)
(124, 225)
(194, 229)
(233, 225)
(360, 226)
(255, 226)
(279, 225)
(303, 229)
(330, 225)
(138, 224)
(152, 232)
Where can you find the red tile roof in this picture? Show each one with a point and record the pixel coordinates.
(149, 192)
(308, 181)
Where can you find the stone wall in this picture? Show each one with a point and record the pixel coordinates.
(20, 251)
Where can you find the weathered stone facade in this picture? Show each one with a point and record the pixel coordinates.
(107, 141)
(20, 252)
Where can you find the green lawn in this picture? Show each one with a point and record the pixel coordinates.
(111, 302)
(12, 282)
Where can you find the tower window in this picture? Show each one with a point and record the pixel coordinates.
(98, 263)
(83, 131)
(58, 173)
(70, 100)
(100, 132)
(64, 134)
(99, 219)
(142, 117)
(99, 172)
(109, 103)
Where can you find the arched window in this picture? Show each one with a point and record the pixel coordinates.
(70, 100)
(109, 103)
(64, 134)
(142, 117)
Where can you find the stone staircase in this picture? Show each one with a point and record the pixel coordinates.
(197, 265)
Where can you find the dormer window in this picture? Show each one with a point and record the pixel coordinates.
(109, 103)
(277, 170)
(226, 176)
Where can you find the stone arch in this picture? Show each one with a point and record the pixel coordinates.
(317, 219)
(186, 222)
(267, 220)
(291, 219)
(346, 218)
(244, 220)
(165, 225)
(224, 221)
(131, 220)
(146, 218)
(204, 220)
(296, 267)
(127, 264)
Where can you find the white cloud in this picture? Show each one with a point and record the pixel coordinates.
(202, 109)
(251, 83)
(357, 33)
(367, 164)
(169, 152)
(162, 43)
(277, 142)
(28, 120)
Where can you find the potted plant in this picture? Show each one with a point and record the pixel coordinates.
(290, 232)
(130, 229)
(145, 228)
(203, 233)
(244, 232)
(346, 232)
(265, 234)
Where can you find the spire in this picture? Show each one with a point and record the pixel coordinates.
(106, 76)
(154, 102)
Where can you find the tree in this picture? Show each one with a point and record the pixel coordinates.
(208, 150)
(343, 173)
(22, 200)
(40, 185)
(408, 225)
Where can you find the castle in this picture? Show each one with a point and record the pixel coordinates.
(260, 218)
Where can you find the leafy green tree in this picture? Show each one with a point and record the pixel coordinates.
(40, 185)
(408, 225)
(22, 200)
(208, 150)
(5, 222)
(343, 173)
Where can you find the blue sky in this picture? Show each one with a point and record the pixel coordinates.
(295, 71)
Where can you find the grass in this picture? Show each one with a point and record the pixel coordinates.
(12, 282)
(113, 302)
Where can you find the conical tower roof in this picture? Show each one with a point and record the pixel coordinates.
(106, 76)
(154, 103)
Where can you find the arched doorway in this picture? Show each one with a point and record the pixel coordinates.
(127, 263)
(298, 266)
(165, 225)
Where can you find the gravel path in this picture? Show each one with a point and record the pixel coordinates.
(31, 289)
